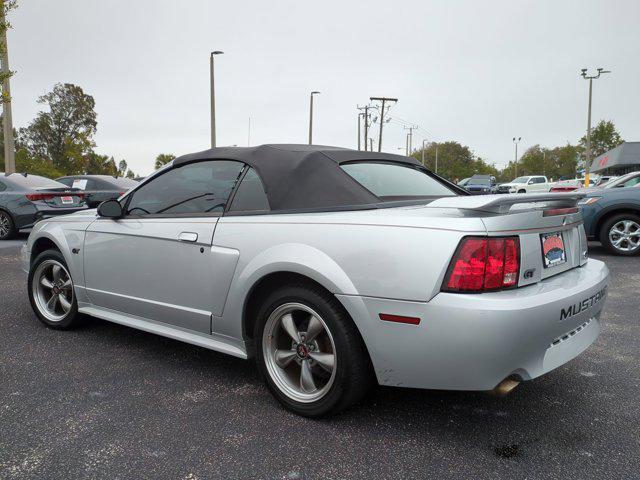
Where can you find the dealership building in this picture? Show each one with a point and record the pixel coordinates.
(623, 159)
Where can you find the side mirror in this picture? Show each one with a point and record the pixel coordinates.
(110, 209)
(530, 182)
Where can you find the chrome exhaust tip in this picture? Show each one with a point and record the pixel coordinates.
(505, 387)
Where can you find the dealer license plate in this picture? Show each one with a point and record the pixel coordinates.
(553, 252)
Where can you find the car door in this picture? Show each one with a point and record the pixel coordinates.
(157, 262)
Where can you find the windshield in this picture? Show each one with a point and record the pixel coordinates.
(388, 181)
(123, 182)
(479, 181)
(521, 180)
(628, 180)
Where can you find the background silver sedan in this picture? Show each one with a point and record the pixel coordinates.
(334, 268)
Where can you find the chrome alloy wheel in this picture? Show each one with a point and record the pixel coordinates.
(5, 225)
(299, 352)
(625, 235)
(52, 290)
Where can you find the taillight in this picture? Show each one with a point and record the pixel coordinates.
(39, 196)
(483, 264)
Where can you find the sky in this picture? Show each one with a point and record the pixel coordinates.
(477, 72)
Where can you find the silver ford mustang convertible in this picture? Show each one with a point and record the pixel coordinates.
(334, 268)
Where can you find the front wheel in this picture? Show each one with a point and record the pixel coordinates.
(621, 234)
(51, 291)
(310, 352)
(522, 190)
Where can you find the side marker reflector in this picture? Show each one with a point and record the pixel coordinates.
(399, 319)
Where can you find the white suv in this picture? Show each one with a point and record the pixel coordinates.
(533, 183)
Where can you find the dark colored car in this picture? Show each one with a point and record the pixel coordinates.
(612, 215)
(25, 199)
(481, 185)
(99, 188)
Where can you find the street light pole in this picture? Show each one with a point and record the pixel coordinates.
(591, 78)
(213, 97)
(7, 121)
(311, 116)
(515, 164)
(423, 148)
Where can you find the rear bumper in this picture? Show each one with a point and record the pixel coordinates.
(473, 342)
(39, 213)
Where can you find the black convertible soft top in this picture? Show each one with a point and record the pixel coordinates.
(302, 177)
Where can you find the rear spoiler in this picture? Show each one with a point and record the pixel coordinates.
(503, 203)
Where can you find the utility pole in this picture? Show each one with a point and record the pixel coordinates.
(366, 115)
(410, 138)
(544, 157)
(311, 116)
(423, 148)
(249, 134)
(436, 158)
(7, 120)
(213, 97)
(383, 100)
(406, 147)
(370, 144)
(591, 78)
(515, 165)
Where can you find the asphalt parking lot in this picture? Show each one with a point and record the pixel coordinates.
(106, 401)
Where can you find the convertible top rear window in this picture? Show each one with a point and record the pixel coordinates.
(388, 180)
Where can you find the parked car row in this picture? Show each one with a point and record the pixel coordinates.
(25, 199)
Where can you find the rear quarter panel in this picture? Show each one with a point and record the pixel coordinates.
(358, 257)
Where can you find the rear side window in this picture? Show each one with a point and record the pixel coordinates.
(3, 187)
(250, 196)
(393, 181)
(65, 181)
(196, 188)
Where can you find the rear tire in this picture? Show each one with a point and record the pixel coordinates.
(51, 291)
(7, 227)
(620, 234)
(309, 351)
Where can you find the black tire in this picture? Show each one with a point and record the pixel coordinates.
(353, 375)
(608, 225)
(522, 191)
(69, 320)
(7, 227)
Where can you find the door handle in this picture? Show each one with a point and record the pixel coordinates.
(188, 237)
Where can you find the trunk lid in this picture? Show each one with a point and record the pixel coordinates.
(549, 227)
(57, 197)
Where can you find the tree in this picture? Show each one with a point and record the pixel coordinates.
(163, 159)
(122, 168)
(455, 161)
(554, 163)
(26, 163)
(101, 165)
(64, 134)
(604, 137)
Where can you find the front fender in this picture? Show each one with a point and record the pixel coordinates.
(66, 237)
